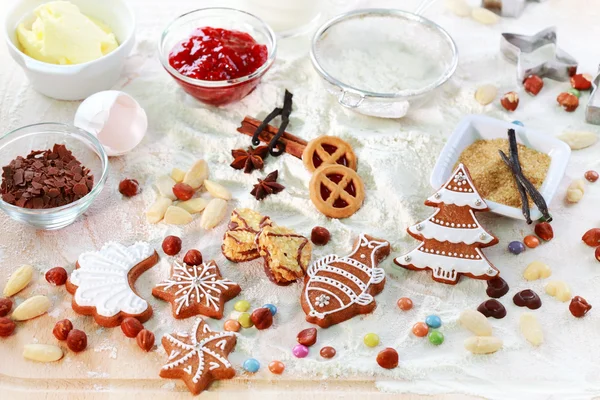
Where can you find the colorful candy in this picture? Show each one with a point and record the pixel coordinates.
(231, 325)
(420, 329)
(574, 92)
(300, 351)
(327, 352)
(251, 365)
(404, 303)
(371, 339)
(436, 337)
(516, 122)
(272, 308)
(276, 367)
(516, 247)
(531, 241)
(245, 320)
(241, 306)
(433, 321)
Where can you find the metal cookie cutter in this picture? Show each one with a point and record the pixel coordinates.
(559, 67)
(506, 8)
(592, 111)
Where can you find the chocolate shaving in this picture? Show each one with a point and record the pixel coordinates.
(267, 186)
(514, 157)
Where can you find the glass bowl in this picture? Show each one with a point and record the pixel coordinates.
(84, 147)
(382, 62)
(217, 93)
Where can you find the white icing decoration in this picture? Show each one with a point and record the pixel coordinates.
(199, 281)
(430, 230)
(465, 198)
(375, 275)
(102, 279)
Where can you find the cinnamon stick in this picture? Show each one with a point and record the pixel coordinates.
(293, 144)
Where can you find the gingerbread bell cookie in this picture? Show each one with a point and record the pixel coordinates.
(326, 150)
(239, 242)
(452, 237)
(338, 288)
(198, 358)
(336, 191)
(196, 289)
(103, 281)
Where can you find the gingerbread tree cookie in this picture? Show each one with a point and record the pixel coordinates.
(196, 289)
(198, 358)
(452, 237)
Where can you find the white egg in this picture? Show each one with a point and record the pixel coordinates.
(115, 118)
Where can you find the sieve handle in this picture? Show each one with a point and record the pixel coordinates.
(350, 99)
(421, 8)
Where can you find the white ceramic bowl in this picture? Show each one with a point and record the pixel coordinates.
(476, 127)
(75, 82)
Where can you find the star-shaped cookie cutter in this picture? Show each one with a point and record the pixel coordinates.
(559, 68)
(592, 111)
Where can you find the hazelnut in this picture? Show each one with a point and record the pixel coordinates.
(193, 257)
(5, 307)
(579, 306)
(183, 191)
(510, 101)
(262, 318)
(597, 253)
(533, 84)
(544, 231)
(77, 340)
(131, 327)
(62, 328)
(387, 358)
(171, 245)
(591, 176)
(320, 236)
(57, 276)
(581, 81)
(145, 339)
(129, 187)
(592, 237)
(7, 327)
(568, 101)
(307, 337)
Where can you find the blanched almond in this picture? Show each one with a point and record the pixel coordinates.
(42, 352)
(157, 210)
(197, 174)
(458, 7)
(484, 16)
(18, 280)
(483, 344)
(213, 213)
(578, 140)
(531, 329)
(485, 94)
(177, 216)
(193, 206)
(575, 191)
(177, 175)
(165, 184)
(31, 308)
(217, 190)
(476, 322)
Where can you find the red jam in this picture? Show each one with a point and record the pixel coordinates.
(215, 54)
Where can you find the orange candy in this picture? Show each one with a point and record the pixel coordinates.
(404, 303)
(531, 241)
(420, 329)
(232, 325)
(276, 367)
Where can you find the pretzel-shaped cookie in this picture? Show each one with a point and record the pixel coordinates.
(326, 150)
(337, 191)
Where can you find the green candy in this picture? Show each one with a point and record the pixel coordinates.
(574, 92)
(436, 337)
(371, 339)
(544, 219)
(241, 306)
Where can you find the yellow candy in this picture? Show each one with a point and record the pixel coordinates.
(245, 321)
(371, 339)
(241, 306)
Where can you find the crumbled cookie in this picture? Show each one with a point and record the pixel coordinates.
(286, 253)
(239, 242)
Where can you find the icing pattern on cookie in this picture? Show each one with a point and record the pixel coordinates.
(459, 191)
(434, 228)
(102, 279)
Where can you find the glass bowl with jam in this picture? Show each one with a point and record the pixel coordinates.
(217, 55)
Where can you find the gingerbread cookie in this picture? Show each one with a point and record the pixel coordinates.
(196, 289)
(336, 191)
(198, 358)
(239, 242)
(286, 253)
(452, 237)
(326, 150)
(102, 284)
(338, 288)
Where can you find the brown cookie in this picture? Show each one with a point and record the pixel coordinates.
(451, 238)
(239, 242)
(338, 288)
(198, 358)
(336, 191)
(196, 289)
(326, 150)
(286, 253)
(103, 282)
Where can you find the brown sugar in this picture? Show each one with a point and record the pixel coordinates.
(493, 178)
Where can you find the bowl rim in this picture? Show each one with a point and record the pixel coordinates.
(99, 184)
(407, 93)
(223, 83)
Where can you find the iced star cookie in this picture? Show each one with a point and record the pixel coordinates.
(286, 253)
(102, 284)
(239, 242)
(338, 288)
(196, 289)
(198, 358)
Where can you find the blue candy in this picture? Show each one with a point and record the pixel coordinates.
(433, 321)
(517, 123)
(516, 247)
(271, 308)
(251, 365)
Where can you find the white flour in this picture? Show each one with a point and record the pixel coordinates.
(395, 159)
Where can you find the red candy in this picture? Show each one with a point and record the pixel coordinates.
(579, 306)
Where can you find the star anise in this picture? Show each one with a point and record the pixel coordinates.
(267, 186)
(250, 159)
